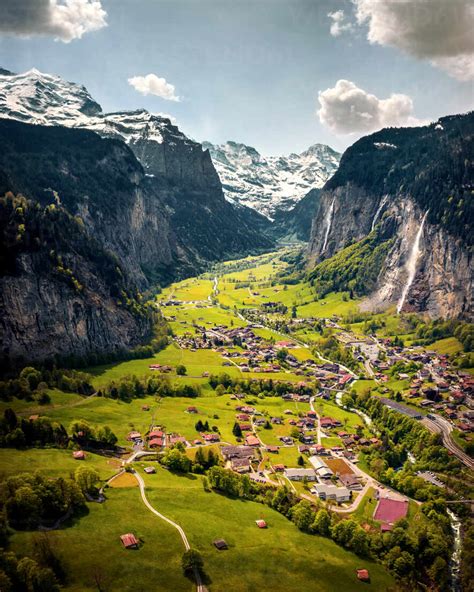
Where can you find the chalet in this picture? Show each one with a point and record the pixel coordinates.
(273, 449)
(363, 575)
(79, 455)
(145, 407)
(192, 410)
(241, 465)
(352, 482)
(261, 523)
(155, 443)
(242, 417)
(149, 470)
(279, 468)
(175, 439)
(129, 541)
(320, 449)
(252, 440)
(134, 436)
(211, 437)
(155, 434)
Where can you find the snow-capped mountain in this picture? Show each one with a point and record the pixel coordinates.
(271, 183)
(45, 99)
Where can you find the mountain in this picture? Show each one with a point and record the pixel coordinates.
(295, 224)
(130, 188)
(395, 221)
(271, 184)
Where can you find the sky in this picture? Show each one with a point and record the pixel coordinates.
(278, 75)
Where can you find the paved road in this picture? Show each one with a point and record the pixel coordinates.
(439, 425)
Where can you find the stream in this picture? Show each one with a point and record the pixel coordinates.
(455, 563)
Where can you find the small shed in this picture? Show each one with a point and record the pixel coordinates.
(129, 541)
(149, 470)
(220, 544)
(261, 523)
(363, 575)
(79, 455)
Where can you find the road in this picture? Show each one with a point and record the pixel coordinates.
(439, 425)
(184, 538)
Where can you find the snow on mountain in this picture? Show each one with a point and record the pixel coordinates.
(271, 183)
(45, 99)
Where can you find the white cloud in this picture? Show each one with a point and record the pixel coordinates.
(440, 31)
(339, 24)
(151, 84)
(64, 20)
(348, 109)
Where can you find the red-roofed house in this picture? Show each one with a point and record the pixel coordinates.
(129, 541)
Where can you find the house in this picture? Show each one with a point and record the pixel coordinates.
(155, 434)
(240, 465)
(79, 455)
(192, 410)
(273, 449)
(321, 468)
(352, 482)
(155, 443)
(134, 436)
(252, 440)
(300, 474)
(129, 541)
(220, 544)
(149, 470)
(211, 437)
(261, 523)
(363, 575)
(279, 468)
(331, 492)
(229, 452)
(145, 407)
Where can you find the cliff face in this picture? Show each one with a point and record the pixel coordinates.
(392, 181)
(151, 228)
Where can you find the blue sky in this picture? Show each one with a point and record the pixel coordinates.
(247, 71)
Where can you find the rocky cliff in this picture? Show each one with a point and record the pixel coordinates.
(413, 187)
(147, 196)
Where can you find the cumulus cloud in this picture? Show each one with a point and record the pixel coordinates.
(339, 24)
(64, 20)
(151, 84)
(440, 31)
(348, 109)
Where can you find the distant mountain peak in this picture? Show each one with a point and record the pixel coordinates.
(270, 184)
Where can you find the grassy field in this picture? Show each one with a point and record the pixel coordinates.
(52, 462)
(257, 559)
(449, 345)
(90, 546)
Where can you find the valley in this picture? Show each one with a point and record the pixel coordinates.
(268, 403)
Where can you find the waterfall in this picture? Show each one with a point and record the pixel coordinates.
(455, 563)
(379, 209)
(328, 221)
(411, 264)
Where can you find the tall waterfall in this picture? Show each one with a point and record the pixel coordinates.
(383, 201)
(328, 222)
(411, 264)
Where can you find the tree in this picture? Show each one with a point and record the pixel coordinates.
(192, 561)
(322, 522)
(106, 437)
(302, 515)
(181, 370)
(237, 430)
(282, 354)
(87, 479)
(300, 461)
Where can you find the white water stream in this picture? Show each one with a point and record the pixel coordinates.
(455, 563)
(411, 264)
(328, 224)
(379, 209)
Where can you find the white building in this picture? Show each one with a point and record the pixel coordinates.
(300, 474)
(331, 492)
